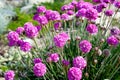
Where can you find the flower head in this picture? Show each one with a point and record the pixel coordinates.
(41, 9)
(85, 46)
(9, 75)
(42, 20)
(115, 31)
(57, 25)
(25, 46)
(65, 17)
(20, 30)
(70, 12)
(112, 40)
(74, 74)
(61, 39)
(81, 13)
(96, 1)
(117, 4)
(37, 60)
(79, 62)
(39, 69)
(65, 62)
(109, 12)
(54, 57)
(92, 29)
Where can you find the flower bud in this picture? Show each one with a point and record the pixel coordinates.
(106, 52)
(95, 61)
(86, 75)
(78, 38)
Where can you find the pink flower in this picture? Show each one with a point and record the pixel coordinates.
(25, 46)
(54, 57)
(61, 39)
(9, 75)
(79, 62)
(112, 40)
(20, 30)
(85, 46)
(74, 74)
(37, 60)
(92, 28)
(41, 9)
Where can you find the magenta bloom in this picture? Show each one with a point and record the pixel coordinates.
(79, 62)
(117, 4)
(70, 12)
(30, 30)
(112, 40)
(54, 57)
(81, 13)
(65, 62)
(92, 28)
(13, 37)
(85, 5)
(20, 30)
(109, 12)
(100, 7)
(64, 7)
(74, 74)
(39, 27)
(65, 17)
(61, 39)
(39, 69)
(37, 60)
(42, 20)
(91, 14)
(57, 25)
(54, 16)
(115, 31)
(36, 17)
(85, 46)
(9, 75)
(41, 9)
(74, 2)
(25, 46)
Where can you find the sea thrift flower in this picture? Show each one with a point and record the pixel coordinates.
(81, 13)
(65, 62)
(57, 25)
(64, 7)
(36, 17)
(49, 60)
(20, 42)
(42, 20)
(25, 46)
(92, 28)
(106, 52)
(37, 60)
(74, 74)
(112, 40)
(74, 2)
(106, 1)
(9, 75)
(109, 12)
(91, 14)
(55, 16)
(54, 57)
(20, 30)
(117, 4)
(70, 12)
(115, 31)
(13, 37)
(61, 39)
(100, 7)
(85, 5)
(79, 62)
(85, 46)
(30, 30)
(39, 69)
(112, 1)
(65, 17)
(41, 9)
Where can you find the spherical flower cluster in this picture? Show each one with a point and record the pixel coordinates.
(112, 40)
(20, 30)
(54, 57)
(70, 12)
(37, 60)
(65, 62)
(25, 46)
(79, 62)
(100, 7)
(30, 30)
(112, 1)
(57, 25)
(117, 4)
(39, 69)
(81, 13)
(67, 7)
(9, 75)
(74, 74)
(41, 9)
(109, 12)
(74, 2)
(36, 17)
(85, 46)
(85, 5)
(65, 17)
(91, 14)
(38, 27)
(12, 37)
(106, 1)
(115, 31)
(61, 39)
(42, 20)
(92, 28)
